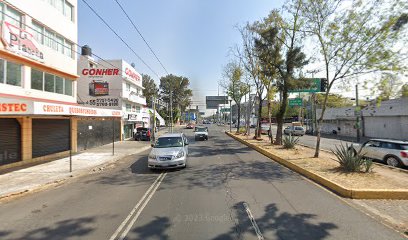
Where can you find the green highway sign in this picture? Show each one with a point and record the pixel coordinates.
(315, 86)
(223, 110)
(295, 102)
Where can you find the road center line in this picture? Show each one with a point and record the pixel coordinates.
(122, 225)
(252, 219)
(141, 209)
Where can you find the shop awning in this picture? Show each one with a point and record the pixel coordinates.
(10, 106)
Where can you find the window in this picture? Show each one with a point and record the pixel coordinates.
(68, 49)
(127, 87)
(13, 75)
(68, 87)
(68, 10)
(13, 16)
(59, 44)
(2, 63)
(37, 79)
(49, 38)
(138, 109)
(128, 107)
(49, 82)
(38, 32)
(59, 85)
(59, 5)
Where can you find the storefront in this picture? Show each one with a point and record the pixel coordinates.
(32, 130)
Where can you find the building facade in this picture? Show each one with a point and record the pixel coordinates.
(113, 84)
(39, 114)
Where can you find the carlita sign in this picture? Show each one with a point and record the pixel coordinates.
(21, 42)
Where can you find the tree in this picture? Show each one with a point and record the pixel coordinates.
(235, 87)
(279, 50)
(388, 87)
(353, 39)
(251, 65)
(334, 100)
(150, 89)
(404, 90)
(178, 88)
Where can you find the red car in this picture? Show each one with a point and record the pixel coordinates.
(190, 126)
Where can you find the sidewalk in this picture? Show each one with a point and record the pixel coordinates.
(36, 177)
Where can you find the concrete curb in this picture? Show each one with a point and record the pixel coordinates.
(334, 187)
(62, 180)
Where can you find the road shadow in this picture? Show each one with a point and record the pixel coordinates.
(4, 234)
(155, 229)
(72, 228)
(282, 224)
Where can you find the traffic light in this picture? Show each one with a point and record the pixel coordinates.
(323, 84)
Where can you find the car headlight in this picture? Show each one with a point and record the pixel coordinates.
(152, 156)
(180, 154)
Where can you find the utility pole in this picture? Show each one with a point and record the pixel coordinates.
(230, 115)
(171, 112)
(154, 120)
(357, 112)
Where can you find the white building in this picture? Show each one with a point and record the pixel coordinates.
(113, 84)
(39, 114)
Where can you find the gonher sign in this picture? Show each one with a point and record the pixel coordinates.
(21, 42)
(100, 71)
(130, 74)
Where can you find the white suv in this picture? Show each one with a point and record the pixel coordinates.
(391, 152)
(201, 133)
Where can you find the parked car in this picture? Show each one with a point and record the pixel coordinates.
(391, 152)
(142, 134)
(264, 128)
(294, 130)
(190, 126)
(201, 133)
(169, 151)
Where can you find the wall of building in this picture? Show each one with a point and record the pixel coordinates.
(392, 127)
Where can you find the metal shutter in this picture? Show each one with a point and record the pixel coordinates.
(50, 136)
(100, 134)
(10, 141)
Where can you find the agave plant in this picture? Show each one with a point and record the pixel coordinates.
(351, 160)
(290, 142)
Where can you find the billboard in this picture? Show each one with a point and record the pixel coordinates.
(212, 102)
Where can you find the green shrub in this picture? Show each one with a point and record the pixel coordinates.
(289, 141)
(242, 130)
(350, 160)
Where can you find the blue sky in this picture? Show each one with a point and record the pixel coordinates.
(192, 38)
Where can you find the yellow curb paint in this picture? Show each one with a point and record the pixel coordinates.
(340, 190)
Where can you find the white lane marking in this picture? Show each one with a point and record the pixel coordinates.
(252, 219)
(122, 225)
(141, 209)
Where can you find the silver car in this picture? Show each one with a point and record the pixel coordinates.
(294, 130)
(391, 152)
(169, 151)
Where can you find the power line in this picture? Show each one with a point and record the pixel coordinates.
(140, 34)
(123, 41)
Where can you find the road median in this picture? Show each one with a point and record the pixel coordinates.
(381, 183)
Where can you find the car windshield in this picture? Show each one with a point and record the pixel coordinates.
(200, 129)
(168, 142)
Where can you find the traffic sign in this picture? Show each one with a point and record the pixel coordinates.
(315, 86)
(295, 102)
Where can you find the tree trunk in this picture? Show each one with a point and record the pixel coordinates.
(280, 118)
(258, 131)
(270, 120)
(239, 117)
(317, 150)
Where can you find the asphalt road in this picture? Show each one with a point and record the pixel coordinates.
(228, 191)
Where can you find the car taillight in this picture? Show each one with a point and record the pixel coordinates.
(404, 154)
(148, 133)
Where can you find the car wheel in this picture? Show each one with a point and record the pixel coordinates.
(393, 161)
